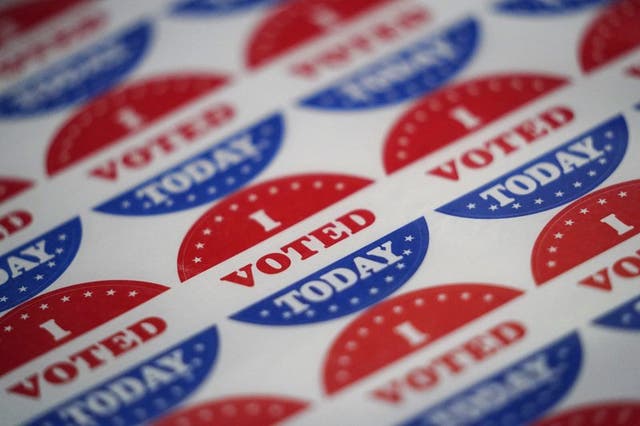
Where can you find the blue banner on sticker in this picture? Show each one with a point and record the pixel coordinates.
(419, 68)
(34, 266)
(214, 7)
(210, 175)
(539, 7)
(516, 395)
(143, 392)
(625, 316)
(80, 77)
(352, 283)
(551, 180)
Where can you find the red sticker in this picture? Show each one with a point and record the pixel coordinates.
(54, 318)
(242, 411)
(10, 187)
(586, 228)
(299, 21)
(250, 216)
(401, 325)
(20, 18)
(613, 33)
(619, 414)
(457, 110)
(122, 112)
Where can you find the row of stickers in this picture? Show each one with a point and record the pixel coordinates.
(481, 148)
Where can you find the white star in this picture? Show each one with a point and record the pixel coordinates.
(286, 315)
(591, 173)
(111, 292)
(264, 313)
(538, 201)
(488, 297)
(62, 237)
(65, 299)
(59, 250)
(125, 204)
(569, 222)
(400, 265)
(22, 289)
(354, 300)
(608, 134)
(493, 207)
(234, 207)
(552, 249)
(295, 186)
(577, 184)
(191, 197)
(273, 190)
(408, 238)
(559, 194)
(211, 190)
(197, 259)
(388, 279)
(622, 194)
(218, 218)
(3, 299)
(44, 306)
(584, 211)
(39, 277)
(373, 290)
(252, 197)
(407, 252)
(87, 294)
(133, 293)
(339, 186)
(516, 206)
(602, 201)
(199, 245)
(608, 147)
(146, 204)
(317, 184)
(8, 328)
(465, 296)
(206, 231)
(245, 169)
(442, 297)
(24, 316)
(333, 308)
(51, 264)
(551, 263)
(558, 235)
(471, 206)
(310, 313)
(602, 161)
(230, 180)
(397, 309)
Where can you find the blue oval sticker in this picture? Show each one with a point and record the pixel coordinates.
(214, 7)
(516, 395)
(34, 266)
(348, 285)
(80, 77)
(205, 177)
(551, 180)
(544, 7)
(417, 69)
(144, 391)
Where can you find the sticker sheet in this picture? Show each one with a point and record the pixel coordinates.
(319, 212)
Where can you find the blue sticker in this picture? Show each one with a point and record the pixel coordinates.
(516, 395)
(551, 180)
(625, 316)
(79, 77)
(34, 266)
(214, 7)
(143, 392)
(544, 7)
(352, 283)
(210, 175)
(420, 68)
